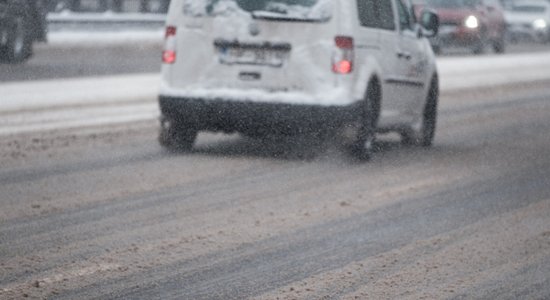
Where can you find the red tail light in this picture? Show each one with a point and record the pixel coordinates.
(170, 31)
(169, 53)
(168, 57)
(342, 67)
(344, 42)
(342, 59)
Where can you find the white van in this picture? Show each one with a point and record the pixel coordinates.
(261, 67)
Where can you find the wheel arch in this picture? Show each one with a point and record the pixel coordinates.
(433, 86)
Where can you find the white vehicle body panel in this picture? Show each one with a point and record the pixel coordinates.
(305, 77)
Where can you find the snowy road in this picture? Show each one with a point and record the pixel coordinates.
(102, 101)
(85, 54)
(109, 215)
(93, 208)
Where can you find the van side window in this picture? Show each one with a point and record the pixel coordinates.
(406, 18)
(376, 14)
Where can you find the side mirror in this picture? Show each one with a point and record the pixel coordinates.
(429, 21)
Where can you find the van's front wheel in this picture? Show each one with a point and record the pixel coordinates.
(176, 136)
(425, 135)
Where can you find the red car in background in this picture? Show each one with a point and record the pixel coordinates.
(474, 24)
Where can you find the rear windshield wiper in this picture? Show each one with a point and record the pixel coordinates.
(266, 15)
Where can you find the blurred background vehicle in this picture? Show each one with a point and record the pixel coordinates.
(22, 22)
(528, 20)
(474, 24)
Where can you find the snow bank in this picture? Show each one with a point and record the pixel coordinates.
(108, 16)
(104, 39)
(93, 91)
(77, 103)
(102, 101)
(485, 71)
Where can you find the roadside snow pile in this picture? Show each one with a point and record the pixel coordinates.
(68, 16)
(47, 94)
(77, 103)
(103, 39)
(106, 22)
(103, 101)
(486, 71)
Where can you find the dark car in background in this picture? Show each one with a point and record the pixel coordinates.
(474, 24)
(22, 22)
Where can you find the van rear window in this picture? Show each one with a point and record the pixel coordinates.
(287, 10)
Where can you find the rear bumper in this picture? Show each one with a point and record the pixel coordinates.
(252, 118)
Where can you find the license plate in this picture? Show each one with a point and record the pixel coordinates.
(253, 56)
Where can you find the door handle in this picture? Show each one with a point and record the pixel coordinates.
(405, 55)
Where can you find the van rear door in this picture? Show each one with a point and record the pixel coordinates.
(271, 45)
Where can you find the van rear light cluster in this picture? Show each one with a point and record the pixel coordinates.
(169, 53)
(342, 59)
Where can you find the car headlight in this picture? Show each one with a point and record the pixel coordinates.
(539, 24)
(471, 22)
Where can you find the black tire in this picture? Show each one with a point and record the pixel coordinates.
(499, 45)
(425, 135)
(363, 146)
(19, 45)
(436, 49)
(478, 47)
(176, 136)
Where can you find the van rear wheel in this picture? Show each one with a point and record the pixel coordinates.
(363, 146)
(176, 136)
